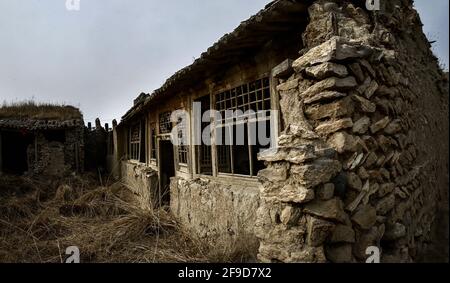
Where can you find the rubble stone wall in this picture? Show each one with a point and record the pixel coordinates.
(74, 149)
(363, 158)
(57, 158)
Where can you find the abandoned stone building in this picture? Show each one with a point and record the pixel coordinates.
(41, 140)
(361, 142)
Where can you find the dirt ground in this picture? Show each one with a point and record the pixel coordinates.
(40, 218)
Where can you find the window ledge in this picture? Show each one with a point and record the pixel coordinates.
(135, 162)
(238, 180)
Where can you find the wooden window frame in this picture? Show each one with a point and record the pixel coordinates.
(267, 101)
(153, 143)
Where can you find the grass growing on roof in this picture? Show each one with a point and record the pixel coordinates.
(40, 111)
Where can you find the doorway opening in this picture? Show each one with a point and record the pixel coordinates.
(167, 169)
(14, 151)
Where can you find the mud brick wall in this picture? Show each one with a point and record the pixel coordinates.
(221, 213)
(363, 158)
(143, 181)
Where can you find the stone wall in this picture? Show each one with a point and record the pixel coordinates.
(50, 157)
(220, 213)
(55, 158)
(143, 181)
(363, 157)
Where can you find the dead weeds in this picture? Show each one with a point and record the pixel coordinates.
(39, 219)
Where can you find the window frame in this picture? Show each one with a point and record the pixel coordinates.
(134, 146)
(268, 86)
(153, 143)
(183, 150)
(202, 150)
(164, 122)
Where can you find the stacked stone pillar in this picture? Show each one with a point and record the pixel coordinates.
(352, 170)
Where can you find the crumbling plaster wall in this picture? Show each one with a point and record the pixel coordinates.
(363, 159)
(220, 212)
(143, 181)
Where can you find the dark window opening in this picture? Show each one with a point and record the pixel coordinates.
(262, 129)
(241, 158)
(223, 136)
(153, 154)
(203, 151)
(14, 151)
(55, 136)
(142, 142)
(240, 138)
(167, 170)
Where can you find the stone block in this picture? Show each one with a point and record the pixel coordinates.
(318, 231)
(326, 70)
(380, 125)
(365, 105)
(362, 125)
(334, 49)
(325, 192)
(330, 209)
(332, 110)
(342, 234)
(332, 83)
(324, 96)
(330, 127)
(318, 172)
(342, 142)
(339, 253)
(365, 217)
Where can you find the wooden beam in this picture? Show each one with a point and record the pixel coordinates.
(214, 160)
(283, 70)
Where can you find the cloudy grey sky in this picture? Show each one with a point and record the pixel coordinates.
(101, 57)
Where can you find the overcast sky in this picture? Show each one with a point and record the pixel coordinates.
(101, 57)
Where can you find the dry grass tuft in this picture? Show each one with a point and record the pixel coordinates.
(40, 218)
(39, 111)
